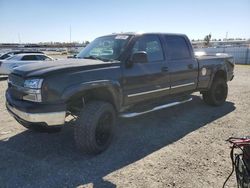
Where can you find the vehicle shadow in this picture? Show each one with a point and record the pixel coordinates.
(50, 160)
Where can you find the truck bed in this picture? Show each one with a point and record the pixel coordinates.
(215, 56)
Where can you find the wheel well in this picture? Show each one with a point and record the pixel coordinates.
(77, 101)
(220, 74)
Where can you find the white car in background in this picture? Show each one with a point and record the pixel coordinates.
(7, 65)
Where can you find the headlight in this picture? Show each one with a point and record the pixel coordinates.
(32, 88)
(33, 83)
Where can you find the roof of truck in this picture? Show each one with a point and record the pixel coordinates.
(148, 33)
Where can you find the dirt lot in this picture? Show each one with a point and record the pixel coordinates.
(183, 146)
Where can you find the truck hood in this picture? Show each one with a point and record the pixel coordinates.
(50, 67)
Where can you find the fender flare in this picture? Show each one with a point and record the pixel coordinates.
(113, 87)
(220, 67)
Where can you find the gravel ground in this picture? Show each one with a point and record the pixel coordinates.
(183, 146)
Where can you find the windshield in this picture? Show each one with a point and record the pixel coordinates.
(106, 48)
(14, 57)
(5, 56)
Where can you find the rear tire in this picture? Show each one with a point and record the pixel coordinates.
(217, 94)
(94, 128)
(37, 127)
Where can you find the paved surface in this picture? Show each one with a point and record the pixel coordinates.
(178, 147)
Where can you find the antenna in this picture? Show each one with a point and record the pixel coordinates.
(70, 34)
(225, 42)
(19, 38)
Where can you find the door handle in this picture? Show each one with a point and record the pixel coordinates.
(190, 66)
(164, 69)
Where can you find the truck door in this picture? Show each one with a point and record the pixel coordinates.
(143, 81)
(183, 67)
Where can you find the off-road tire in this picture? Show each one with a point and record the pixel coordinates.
(36, 127)
(94, 127)
(217, 94)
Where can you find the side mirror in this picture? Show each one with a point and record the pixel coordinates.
(140, 57)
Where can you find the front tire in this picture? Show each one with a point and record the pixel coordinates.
(217, 94)
(94, 128)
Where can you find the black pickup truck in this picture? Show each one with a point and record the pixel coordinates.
(126, 75)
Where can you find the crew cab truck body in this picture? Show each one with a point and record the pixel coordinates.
(123, 75)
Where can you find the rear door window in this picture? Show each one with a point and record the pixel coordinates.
(177, 48)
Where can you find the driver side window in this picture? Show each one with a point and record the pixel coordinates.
(150, 44)
(29, 58)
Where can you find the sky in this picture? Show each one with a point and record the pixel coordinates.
(31, 21)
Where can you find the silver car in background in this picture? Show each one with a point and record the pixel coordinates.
(7, 65)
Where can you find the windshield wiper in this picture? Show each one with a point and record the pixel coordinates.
(96, 58)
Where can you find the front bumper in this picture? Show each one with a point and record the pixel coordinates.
(50, 118)
(51, 115)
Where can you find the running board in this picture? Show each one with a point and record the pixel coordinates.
(134, 114)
